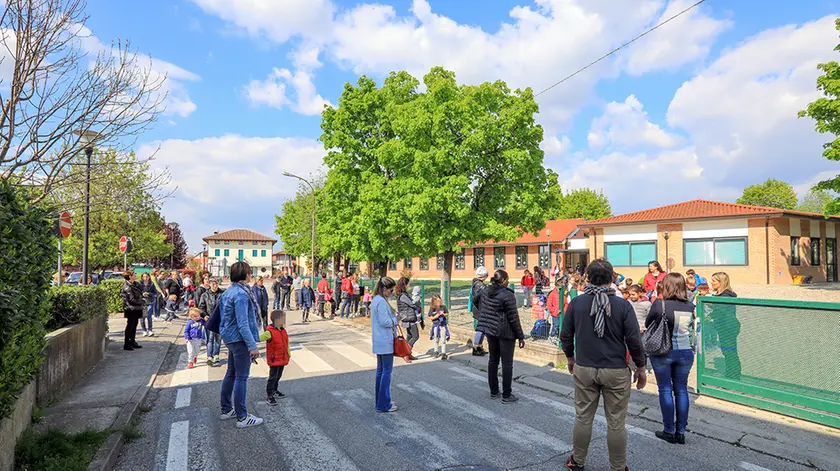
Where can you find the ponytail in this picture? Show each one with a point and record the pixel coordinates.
(384, 283)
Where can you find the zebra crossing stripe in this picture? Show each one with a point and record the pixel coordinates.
(183, 398)
(304, 444)
(353, 354)
(751, 467)
(308, 361)
(187, 377)
(177, 457)
(509, 430)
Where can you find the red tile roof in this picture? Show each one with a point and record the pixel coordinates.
(697, 209)
(239, 234)
(560, 229)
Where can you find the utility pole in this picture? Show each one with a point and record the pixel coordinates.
(314, 206)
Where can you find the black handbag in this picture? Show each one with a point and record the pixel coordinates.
(215, 319)
(657, 338)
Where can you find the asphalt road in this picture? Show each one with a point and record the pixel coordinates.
(327, 421)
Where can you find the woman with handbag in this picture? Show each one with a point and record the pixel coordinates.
(672, 311)
(409, 313)
(383, 325)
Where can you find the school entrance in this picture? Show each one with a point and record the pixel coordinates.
(831, 259)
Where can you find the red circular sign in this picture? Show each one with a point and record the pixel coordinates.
(64, 224)
(123, 244)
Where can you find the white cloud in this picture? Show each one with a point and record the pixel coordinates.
(275, 89)
(626, 125)
(276, 20)
(554, 146)
(231, 178)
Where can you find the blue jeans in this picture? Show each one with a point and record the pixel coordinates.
(236, 379)
(671, 372)
(555, 326)
(214, 344)
(345, 306)
(527, 297)
(146, 320)
(384, 367)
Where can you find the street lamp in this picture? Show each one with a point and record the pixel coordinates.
(666, 236)
(548, 233)
(172, 226)
(86, 139)
(312, 261)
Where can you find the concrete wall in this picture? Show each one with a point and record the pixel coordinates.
(71, 352)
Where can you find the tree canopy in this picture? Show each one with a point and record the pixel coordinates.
(826, 112)
(294, 224)
(416, 172)
(772, 193)
(817, 201)
(583, 203)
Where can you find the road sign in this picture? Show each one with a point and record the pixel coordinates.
(64, 225)
(123, 244)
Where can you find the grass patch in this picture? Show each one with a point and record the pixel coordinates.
(54, 450)
(37, 415)
(145, 409)
(131, 433)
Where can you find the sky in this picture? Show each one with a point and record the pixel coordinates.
(699, 108)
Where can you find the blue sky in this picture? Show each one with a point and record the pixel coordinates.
(700, 108)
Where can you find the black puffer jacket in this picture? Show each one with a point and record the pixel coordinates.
(132, 295)
(406, 309)
(208, 301)
(498, 316)
(478, 287)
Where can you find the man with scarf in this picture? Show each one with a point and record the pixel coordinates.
(598, 330)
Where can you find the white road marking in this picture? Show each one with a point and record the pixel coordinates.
(403, 429)
(177, 456)
(187, 377)
(751, 467)
(183, 398)
(556, 405)
(305, 446)
(308, 361)
(510, 430)
(353, 354)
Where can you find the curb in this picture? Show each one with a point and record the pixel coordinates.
(106, 457)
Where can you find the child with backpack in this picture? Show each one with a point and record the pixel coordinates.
(438, 314)
(277, 354)
(194, 334)
(553, 307)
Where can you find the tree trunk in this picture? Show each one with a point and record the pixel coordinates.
(336, 262)
(383, 268)
(347, 266)
(446, 278)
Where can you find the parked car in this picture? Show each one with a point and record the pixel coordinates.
(112, 275)
(76, 276)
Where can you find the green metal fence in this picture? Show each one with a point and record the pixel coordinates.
(780, 356)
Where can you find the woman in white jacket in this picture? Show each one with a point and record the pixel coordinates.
(383, 322)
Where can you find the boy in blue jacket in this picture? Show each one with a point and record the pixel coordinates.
(194, 334)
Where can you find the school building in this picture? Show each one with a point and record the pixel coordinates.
(559, 237)
(753, 244)
(226, 248)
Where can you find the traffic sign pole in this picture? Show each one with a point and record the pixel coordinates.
(60, 277)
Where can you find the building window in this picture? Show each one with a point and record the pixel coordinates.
(794, 252)
(392, 265)
(264, 243)
(708, 252)
(478, 257)
(227, 242)
(460, 262)
(439, 262)
(499, 257)
(227, 252)
(424, 263)
(545, 256)
(218, 252)
(263, 253)
(241, 255)
(253, 253)
(630, 254)
(407, 264)
(241, 242)
(521, 257)
(815, 252)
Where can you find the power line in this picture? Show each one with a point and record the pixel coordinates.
(657, 26)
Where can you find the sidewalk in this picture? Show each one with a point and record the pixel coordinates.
(110, 396)
(765, 432)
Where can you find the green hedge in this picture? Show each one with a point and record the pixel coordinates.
(113, 293)
(75, 304)
(27, 258)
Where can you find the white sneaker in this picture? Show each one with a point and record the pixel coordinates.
(151, 333)
(249, 421)
(229, 415)
(392, 409)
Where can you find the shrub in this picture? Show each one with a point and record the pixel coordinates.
(55, 450)
(75, 304)
(27, 257)
(113, 293)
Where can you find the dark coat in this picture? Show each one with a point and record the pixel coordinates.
(478, 287)
(133, 303)
(498, 316)
(208, 301)
(406, 309)
(261, 295)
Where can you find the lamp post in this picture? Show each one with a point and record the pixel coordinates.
(86, 139)
(667, 236)
(172, 226)
(312, 188)
(548, 233)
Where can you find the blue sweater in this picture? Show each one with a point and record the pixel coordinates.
(382, 322)
(193, 330)
(238, 317)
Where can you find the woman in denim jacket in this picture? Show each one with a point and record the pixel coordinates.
(383, 322)
(238, 328)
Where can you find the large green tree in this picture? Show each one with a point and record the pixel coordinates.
(826, 112)
(583, 203)
(123, 202)
(294, 224)
(817, 201)
(772, 194)
(422, 172)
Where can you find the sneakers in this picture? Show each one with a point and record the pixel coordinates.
(151, 333)
(250, 421)
(190, 365)
(668, 437)
(680, 438)
(271, 400)
(509, 399)
(443, 357)
(478, 351)
(231, 414)
(495, 395)
(216, 360)
(437, 354)
(279, 395)
(392, 409)
(128, 347)
(210, 361)
(571, 464)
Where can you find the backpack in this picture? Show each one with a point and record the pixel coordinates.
(215, 319)
(540, 330)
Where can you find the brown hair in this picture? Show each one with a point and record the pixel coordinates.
(276, 315)
(636, 289)
(127, 274)
(402, 284)
(674, 287)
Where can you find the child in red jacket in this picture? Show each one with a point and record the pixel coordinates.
(277, 354)
(553, 306)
